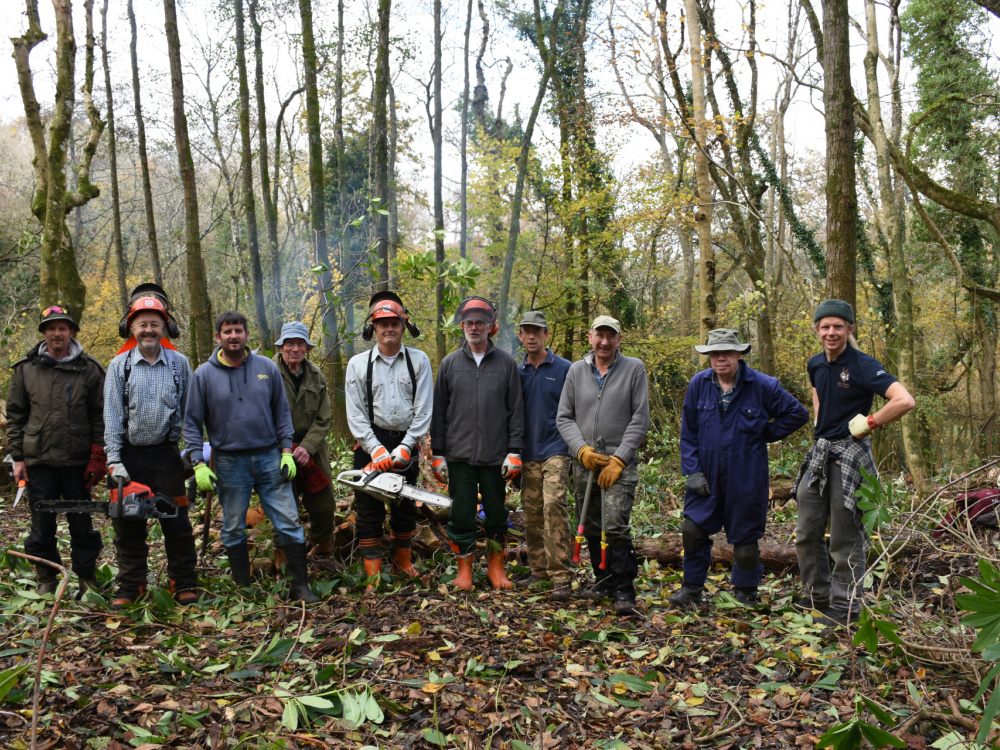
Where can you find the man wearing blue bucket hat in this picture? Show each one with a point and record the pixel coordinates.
(309, 402)
(731, 412)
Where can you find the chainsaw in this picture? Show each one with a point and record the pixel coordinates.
(134, 500)
(390, 488)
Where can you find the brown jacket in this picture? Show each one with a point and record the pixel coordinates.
(311, 412)
(55, 410)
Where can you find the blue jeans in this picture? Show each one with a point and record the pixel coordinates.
(239, 475)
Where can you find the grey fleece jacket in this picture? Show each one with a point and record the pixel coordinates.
(242, 408)
(618, 411)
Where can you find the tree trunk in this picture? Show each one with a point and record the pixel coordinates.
(841, 191)
(549, 56)
(116, 214)
(246, 168)
(894, 219)
(703, 211)
(463, 236)
(140, 124)
(200, 307)
(317, 210)
(380, 145)
(273, 298)
(436, 135)
(343, 232)
(668, 550)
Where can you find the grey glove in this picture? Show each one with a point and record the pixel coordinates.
(697, 484)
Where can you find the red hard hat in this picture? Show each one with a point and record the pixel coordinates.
(387, 308)
(147, 304)
(475, 308)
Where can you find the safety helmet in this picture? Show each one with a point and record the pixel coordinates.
(478, 308)
(147, 304)
(384, 305)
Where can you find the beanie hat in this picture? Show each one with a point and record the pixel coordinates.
(834, 308)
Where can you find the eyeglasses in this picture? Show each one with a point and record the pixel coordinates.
(54, 310)
(474, 323)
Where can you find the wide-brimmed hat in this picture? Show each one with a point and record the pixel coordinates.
(54, 313)
(294, 330)
(723, 340)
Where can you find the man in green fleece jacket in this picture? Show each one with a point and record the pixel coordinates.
(606, 395)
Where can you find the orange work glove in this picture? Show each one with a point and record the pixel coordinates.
(590, 458)
(610, 473)
(381, 460)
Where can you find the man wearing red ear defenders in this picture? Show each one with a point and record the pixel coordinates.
(389, 390)
(476, 436)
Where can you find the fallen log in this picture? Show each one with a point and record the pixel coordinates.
(666, 550)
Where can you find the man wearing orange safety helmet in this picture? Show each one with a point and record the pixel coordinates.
(144, 395)
(476, 437)
(389, 391)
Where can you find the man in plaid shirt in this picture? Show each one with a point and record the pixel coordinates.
(144, 395)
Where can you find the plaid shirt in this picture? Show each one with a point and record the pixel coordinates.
(156, 403)
(853, 456)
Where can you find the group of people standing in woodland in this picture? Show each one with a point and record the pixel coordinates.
(543, 421)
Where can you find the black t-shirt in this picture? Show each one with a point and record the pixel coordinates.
(846, 387)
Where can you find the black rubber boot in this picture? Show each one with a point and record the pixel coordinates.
(47, 582)
(239, 563)
(747, 595)
(687, 596)
(298, 573)
(604, 582)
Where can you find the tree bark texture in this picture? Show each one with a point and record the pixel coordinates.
(201, 314)
(380, 145)
(116, 214)
(703, 211)
(841, 189)
(267, 336)
(437, 134)
(140, 124)
(463, 229)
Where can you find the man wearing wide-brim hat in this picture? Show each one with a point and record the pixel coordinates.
(731, 412)
(309, 402)
(845, 382)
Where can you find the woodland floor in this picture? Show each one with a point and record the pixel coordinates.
(420, 667)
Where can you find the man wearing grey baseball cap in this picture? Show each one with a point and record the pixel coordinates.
(606, 396)
(845, 382)
(731, 412)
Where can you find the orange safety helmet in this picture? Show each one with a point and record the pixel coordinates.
(385, 305)
(147, 304)
(478, 308)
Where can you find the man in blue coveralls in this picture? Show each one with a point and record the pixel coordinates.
(731, 412)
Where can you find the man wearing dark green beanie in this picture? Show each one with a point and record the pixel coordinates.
(845, 382)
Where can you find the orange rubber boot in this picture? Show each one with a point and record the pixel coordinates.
(373, 567)
(464, 578)
(401, 562)
(495, 570)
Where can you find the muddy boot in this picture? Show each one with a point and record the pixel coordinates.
(373, 570)
(184, 596)
(128, 598)
(298, 574)
(239, 563)
(463, 580)
(746, 595)
(688, 595)
(88, 584)
(322, 549)
(47, 580)
(495, 564)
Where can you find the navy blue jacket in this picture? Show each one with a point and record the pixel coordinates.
(541, 387)
(731, 448)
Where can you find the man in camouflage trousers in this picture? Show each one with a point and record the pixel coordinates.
(546, 458)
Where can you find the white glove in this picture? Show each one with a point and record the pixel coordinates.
(117, 471)
(511, 466)
(861, 426)
(401, 458)
(440, 468)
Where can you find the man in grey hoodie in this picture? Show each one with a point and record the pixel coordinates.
(606, 395)
(239, 398)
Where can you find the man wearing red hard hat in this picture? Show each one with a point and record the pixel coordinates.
(389, 391)
(144, 395)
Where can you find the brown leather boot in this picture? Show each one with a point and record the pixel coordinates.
(495, 569)
(184, 596)
(373, 568)
(463, 580)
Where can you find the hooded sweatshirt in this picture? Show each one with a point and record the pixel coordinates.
(243, 409)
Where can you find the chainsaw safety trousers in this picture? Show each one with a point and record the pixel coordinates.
(158, 467)
(239, 563)
(748, 570)
(697, 553)
(604, 585)
(298, 573)
(467, 483)
(49, 483)
(370, 510)
(624, 566)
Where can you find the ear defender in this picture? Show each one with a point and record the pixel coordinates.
(385, 305)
